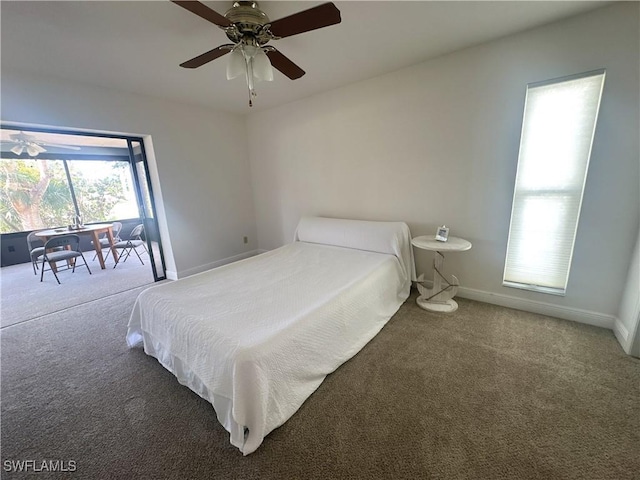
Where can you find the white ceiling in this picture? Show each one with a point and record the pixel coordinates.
(137, 46)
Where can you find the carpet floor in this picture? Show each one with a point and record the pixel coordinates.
(484, 393)
(21, 288)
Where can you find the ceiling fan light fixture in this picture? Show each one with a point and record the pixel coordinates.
(262, 68)
(32, 151)
(237, 64)
(252, 61)
(18, 149)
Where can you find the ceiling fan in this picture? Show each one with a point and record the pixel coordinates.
(250, 29)
(22, 141)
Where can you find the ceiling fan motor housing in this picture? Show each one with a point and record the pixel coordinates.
(248, 22)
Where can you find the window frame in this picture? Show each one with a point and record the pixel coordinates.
(64, 157)
(520, 192)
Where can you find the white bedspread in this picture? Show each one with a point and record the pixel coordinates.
(257, 337)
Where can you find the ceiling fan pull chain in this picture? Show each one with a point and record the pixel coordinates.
(250, 86)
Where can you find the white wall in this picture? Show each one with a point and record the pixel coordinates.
(201, 160)
(438, 143)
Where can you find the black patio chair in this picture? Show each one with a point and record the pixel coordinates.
(34, 250)
(70, 252)
(131, 245)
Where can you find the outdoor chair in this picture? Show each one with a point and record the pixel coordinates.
(70, 252)
(131, 245)
(104, 240)
(36, 248)
(34, 251)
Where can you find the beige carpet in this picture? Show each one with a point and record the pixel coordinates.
(484, 393)
(23, 296)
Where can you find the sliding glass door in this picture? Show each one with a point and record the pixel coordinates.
(48, 177)
(147, 207)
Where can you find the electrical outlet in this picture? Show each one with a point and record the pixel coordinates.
(246, 239)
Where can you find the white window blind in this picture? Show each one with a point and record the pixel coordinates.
(555, 145)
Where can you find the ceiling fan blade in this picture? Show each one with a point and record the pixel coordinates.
(282, 63)
(208, 56)
(307, 20)
(58, 145)
(21, 137)
(204, 12)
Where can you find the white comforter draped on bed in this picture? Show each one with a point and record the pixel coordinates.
(257, 337)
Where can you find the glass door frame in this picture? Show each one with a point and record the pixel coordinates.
(144, 217)
(147, 217)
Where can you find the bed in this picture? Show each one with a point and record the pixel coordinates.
(257, 337)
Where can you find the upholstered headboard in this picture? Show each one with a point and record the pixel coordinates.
(393, 238)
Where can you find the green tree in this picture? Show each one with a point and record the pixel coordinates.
(97, 198)
(33, 195)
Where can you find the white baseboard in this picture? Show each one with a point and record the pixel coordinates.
(566, 313)
(171, 275)
(622, 334)
(218, 263)
(626, 336)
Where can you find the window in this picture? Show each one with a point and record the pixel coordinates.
(103, 189)
(555, 145)
(45, 188)
(34, 194)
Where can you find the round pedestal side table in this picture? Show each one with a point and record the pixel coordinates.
(439, 298)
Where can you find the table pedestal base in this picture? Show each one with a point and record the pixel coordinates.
(442, 307)
(439, 298)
